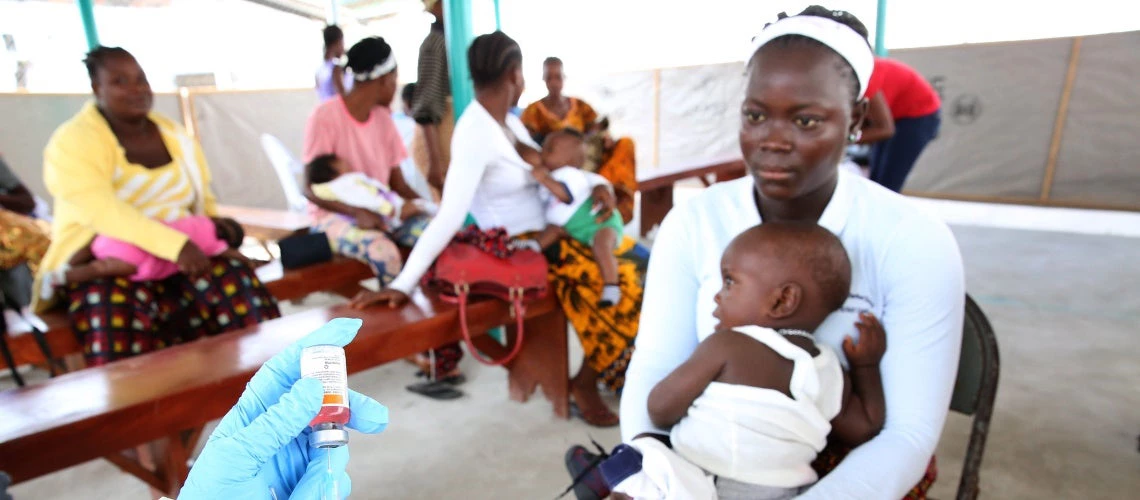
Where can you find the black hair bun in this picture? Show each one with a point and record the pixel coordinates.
(367, 54)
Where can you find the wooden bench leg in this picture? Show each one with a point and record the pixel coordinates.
(131, 462)
(543, 362)
(161, 464)
(654, 205)
(175, 458)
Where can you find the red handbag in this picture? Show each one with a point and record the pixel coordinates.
(486, 263)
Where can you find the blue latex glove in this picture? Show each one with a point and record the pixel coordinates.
(261, 449)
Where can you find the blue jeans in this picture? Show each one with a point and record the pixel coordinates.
(892, 159)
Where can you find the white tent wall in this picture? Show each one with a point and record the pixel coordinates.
(30, 119)
(1000, 140)
(1099, 162)
(229, 126)
(699, 117)
(999, 105)
(629, 100)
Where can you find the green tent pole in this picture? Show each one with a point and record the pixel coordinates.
(458, 31)
(87, 11)
(881, 29)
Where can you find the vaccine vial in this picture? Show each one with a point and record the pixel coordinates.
(326, 363)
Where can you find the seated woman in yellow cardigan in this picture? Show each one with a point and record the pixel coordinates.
(118, 169)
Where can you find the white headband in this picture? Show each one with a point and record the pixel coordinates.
(837, 36)
(380, 70)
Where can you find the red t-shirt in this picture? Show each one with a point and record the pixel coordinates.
(906, 91)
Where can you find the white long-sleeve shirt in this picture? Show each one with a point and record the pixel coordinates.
(486, 178)
(906, 269)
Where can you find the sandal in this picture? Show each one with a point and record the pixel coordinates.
(598, 417)
(457, 379)
(436, 389)
(588, 483)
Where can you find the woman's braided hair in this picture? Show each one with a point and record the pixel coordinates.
(491, 56)
(840, 16)
(98, 57)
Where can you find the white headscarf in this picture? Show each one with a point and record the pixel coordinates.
(851, 46)
(379, 70)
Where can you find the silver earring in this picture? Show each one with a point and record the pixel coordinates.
(855, 136)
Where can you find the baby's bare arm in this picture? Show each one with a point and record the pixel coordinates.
(671, 398)
(864, 408)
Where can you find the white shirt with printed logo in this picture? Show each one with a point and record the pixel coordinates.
(906, 269)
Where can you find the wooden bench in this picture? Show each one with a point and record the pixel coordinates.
(265, 224)
(97, 412)
(341, 276)
(657, 193)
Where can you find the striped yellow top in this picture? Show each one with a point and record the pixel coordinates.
(162, 193)
(97, 191)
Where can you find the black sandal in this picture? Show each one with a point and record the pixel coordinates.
(587, 482)
(454, 380)
(436, 389)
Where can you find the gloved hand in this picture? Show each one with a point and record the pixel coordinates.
(261, 449)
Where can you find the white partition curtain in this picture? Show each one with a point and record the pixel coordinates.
(1044, 122)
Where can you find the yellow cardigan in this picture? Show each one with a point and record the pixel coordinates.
(97, 191)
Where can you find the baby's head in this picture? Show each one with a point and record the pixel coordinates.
(324, 168)
(562, 148)
(229, 231)
(782, 275)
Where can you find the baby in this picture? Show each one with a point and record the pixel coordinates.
(330, 178)
(757, 400)
(566, 190)
(213, 236)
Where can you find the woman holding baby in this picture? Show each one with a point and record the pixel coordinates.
(355, 140)
(119, 171)
(804, 103)
(491, 182)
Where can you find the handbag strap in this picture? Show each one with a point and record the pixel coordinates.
(518, 310)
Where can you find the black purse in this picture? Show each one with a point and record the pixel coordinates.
(304, 250)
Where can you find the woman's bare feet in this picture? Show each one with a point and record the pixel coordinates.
(584, 392)
(423, 362)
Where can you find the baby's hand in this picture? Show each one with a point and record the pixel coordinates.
(111, 267)
(235, 254)
(872, 342)
(410, 209)
(539, 172)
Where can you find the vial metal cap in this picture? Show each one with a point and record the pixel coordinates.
(328, 435)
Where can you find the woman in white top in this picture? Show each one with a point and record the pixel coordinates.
(803, 104)
(490, 181)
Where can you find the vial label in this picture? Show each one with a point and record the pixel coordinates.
(326, 363)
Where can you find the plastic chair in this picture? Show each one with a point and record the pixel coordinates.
(287, 169)
(975, 390)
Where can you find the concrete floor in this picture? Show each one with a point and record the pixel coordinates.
(1065, 309)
